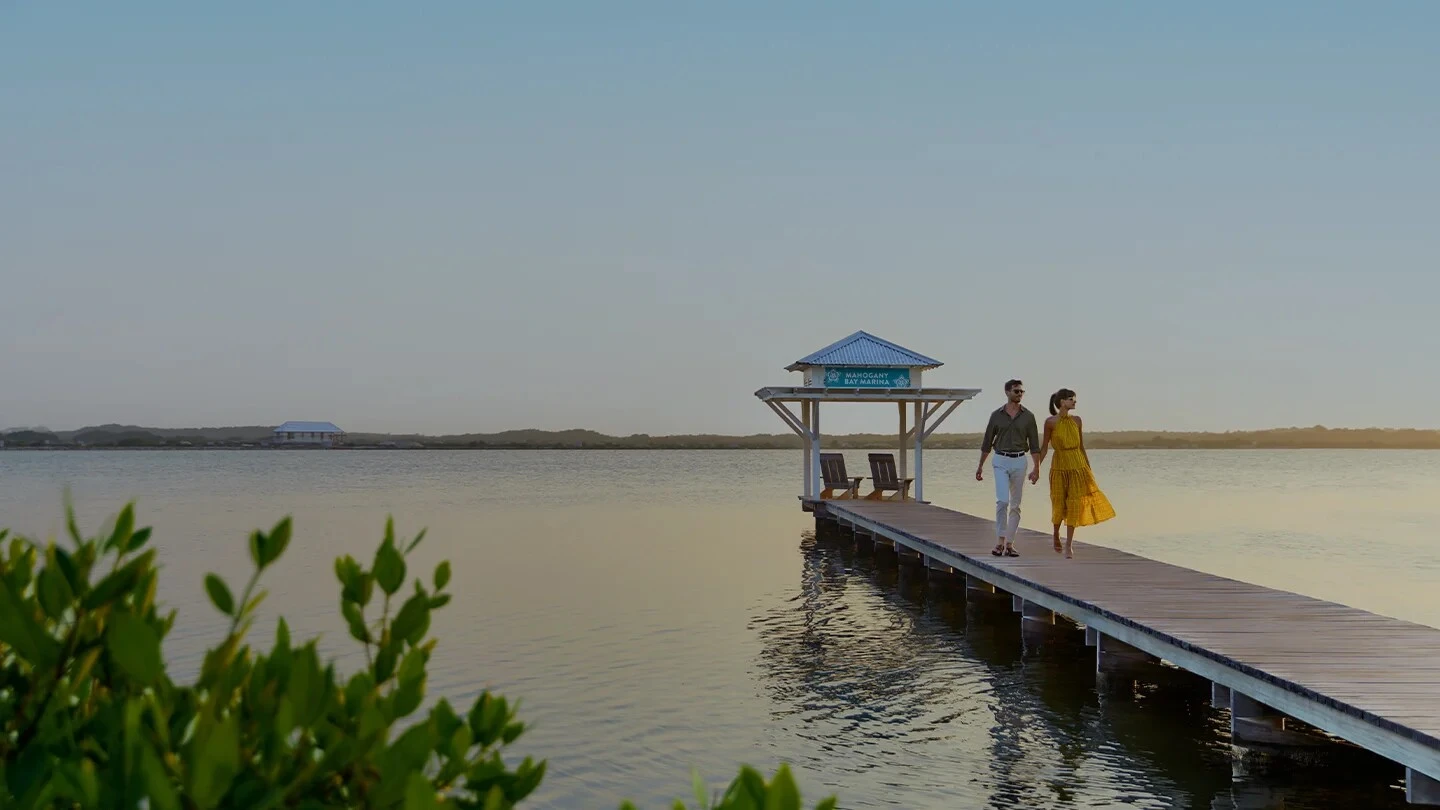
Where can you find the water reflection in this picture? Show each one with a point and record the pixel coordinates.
(913, 695)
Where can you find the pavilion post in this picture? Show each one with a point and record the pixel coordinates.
(919, 446)
(902, 440)
(815, 448)
(810, 491)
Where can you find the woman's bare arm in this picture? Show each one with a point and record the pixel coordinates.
(1044, 449)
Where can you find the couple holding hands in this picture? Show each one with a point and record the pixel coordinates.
(1011, 434)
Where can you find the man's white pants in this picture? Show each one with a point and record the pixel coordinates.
(1009, 488)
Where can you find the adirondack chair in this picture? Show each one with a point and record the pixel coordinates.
(832, 471)
(887, 479)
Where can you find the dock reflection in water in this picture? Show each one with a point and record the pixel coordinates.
(892, 679)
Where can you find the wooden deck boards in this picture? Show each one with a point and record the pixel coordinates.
(1383, 670)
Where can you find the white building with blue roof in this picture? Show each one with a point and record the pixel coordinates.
(315, 434)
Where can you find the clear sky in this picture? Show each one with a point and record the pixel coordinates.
(461, 216)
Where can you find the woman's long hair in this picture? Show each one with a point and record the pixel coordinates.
(1063, 393)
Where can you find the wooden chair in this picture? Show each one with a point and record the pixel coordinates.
(887, 479)
(832, 471)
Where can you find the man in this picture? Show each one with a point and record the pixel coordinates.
(1011, 433)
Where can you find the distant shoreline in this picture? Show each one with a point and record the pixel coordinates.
(676, 448)
(257, 437)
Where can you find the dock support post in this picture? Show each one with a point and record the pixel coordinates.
(1219, 696)
(1421, 789)
(939, 573)
(1038, 624)
(1035, 615)
(974, 584)
(908, 555)
(1252, 724)
(1118, 665)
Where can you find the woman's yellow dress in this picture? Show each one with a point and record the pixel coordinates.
(1075, 498)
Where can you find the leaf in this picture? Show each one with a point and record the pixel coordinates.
(84, 663)
(440, 601)
(415, 542)
(215, 760)
(751, 784)
(444, 717)
(118, 582)
(135, 647)
(385, 661)
(124, 527)
(420, 794)
(389, 568)
(149, 582)
(413, 619)
(19, 629)
(342, 570)
(827, 804)
(53, 591)
(527, 777)
(70, 524)
(305, 688)
(258, 542)
(218, 661)
(76, 781)
(442, 575)
(62, 560)
(161, 792)
(783, 793)
(460, 742)
(220, 595)
(356, 619)
(702, 793)
(413, 748)
(487, 718)
(138, 539)
(512, 733)
(27, 769)
(411, 692)
(284, 722)
(278, 540)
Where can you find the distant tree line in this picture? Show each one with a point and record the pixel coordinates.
(1317, 437)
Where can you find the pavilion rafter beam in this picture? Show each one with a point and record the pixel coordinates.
(932, 425)
(789, 418)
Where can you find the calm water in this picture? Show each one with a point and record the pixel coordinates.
(662, 610)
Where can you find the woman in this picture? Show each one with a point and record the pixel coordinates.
(1075, 499)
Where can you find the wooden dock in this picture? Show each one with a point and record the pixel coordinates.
(1269, 655)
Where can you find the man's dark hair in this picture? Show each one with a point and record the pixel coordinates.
(1011, 384)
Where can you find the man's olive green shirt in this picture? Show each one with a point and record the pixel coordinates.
(1011, 435)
